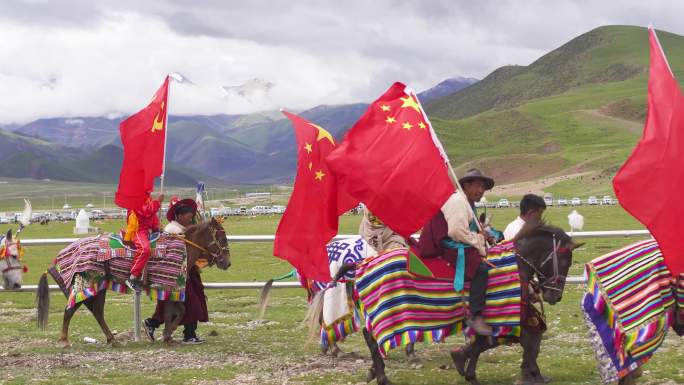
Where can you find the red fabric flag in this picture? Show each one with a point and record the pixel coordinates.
(143, 138)
(392, 161)
(312, 214)
(650, 183)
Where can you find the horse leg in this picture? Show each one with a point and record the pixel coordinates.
(376, 371)
(460, 357)
(531, 343)
(64, 335)
(173, 314)
(411, 352)
(96, 307)
(627, 380)
(476, 348)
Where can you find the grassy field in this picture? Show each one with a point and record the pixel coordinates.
(240, 350)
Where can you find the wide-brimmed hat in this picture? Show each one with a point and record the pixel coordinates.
(474, 174)
(174, 204)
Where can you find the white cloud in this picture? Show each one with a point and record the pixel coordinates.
(70, 59)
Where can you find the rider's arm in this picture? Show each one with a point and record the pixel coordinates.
(458, 214)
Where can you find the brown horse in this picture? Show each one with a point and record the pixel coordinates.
(203, 241)
(544, 258)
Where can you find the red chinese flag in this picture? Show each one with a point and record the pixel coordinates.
(143, 138)
(392, 161)
(311, 217)
(650, 183)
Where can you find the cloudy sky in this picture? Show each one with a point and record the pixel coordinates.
(94, 58)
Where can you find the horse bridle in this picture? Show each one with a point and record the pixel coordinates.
(553, 256)
(10, 268)
(214, 242)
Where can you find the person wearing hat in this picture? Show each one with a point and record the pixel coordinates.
(181, 214)
(453, 233)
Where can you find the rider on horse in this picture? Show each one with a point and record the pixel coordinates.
(181, 214)
(531, 208)
(453, 234)
(140, 224)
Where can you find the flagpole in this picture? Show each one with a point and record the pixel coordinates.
(166, 134)
(440, 147)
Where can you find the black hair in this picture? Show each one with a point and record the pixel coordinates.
(531, 202)
(183, 209)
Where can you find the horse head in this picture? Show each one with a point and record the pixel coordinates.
(10, 262)
(212, 241)
(545, 253)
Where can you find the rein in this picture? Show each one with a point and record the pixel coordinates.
(553, 256)
(215, 255)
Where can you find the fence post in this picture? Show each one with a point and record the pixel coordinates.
(136, 317)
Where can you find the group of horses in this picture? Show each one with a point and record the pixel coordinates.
(543, 254)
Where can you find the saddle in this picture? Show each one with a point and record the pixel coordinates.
(116, 241)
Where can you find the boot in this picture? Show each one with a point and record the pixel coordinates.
(481, 328)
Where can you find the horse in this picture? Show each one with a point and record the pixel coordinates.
(336, 316)
(205, 241)
(632, 300)
(542, 255)
(10, 262)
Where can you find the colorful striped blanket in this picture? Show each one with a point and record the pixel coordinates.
(90, 265)
(400, 308)
(627, 307)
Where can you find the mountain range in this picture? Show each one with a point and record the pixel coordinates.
(577, 110)
(250, 148)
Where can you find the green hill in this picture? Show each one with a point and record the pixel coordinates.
(577, 109)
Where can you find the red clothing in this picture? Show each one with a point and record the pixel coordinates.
(195, 301)
(430, 246)
(148, 221)
(148, 218)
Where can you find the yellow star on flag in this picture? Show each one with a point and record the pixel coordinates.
(410, 102)
(385, 107)
(319, 175)
(422, 125)
(407, 126)
(390, 119)
(307, 147)
(323, 134)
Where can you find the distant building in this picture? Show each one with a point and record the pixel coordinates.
(258, 195)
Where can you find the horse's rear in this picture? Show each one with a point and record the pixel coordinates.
(629, 307)
(80, 254)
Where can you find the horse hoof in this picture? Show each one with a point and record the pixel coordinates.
(460, 360)
(63, 344)
(114, 343)
(371, 375)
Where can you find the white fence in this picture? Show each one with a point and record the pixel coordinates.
(271, 238)
(289, 285)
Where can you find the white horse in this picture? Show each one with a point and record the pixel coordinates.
(10, 253)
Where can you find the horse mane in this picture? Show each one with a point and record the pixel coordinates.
(534, 228)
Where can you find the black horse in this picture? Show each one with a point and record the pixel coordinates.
(544, 258)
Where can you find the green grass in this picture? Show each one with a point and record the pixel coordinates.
(245, 352)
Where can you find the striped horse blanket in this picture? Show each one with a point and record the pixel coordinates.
(627, 307)
(400, 308)
(93, 264)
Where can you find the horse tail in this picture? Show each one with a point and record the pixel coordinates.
(265, 297)
(43, 301)
(314, 316)
(266, 291)
(344, 269)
